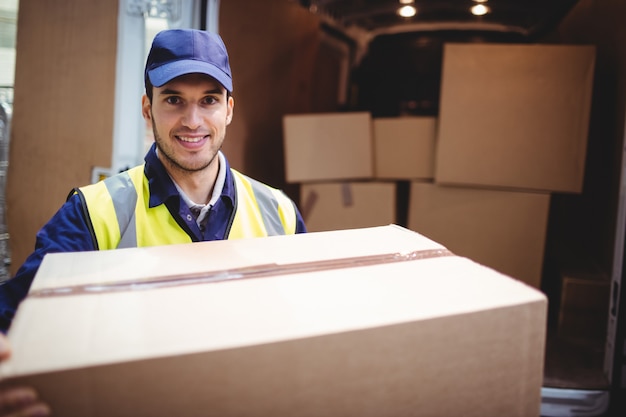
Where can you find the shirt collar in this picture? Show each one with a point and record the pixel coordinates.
(162, 187)
(217, 187)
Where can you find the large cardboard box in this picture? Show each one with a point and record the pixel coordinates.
(404, 147)
(505, 230)
(328, 146)
(368, 322)
(347, 205)
(515, 116)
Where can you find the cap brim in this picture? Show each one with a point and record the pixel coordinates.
(167, 72)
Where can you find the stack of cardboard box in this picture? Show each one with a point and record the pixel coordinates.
(512, 129)
(332, 156)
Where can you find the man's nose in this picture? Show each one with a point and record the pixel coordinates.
(192, 117)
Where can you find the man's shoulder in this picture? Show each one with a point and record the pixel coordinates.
(118, 182)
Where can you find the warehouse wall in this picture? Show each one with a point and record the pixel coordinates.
(63, 109)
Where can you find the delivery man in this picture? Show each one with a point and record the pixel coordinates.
(185, 191)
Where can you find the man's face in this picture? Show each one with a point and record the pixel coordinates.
(189, 116)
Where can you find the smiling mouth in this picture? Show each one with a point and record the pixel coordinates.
(191, 139)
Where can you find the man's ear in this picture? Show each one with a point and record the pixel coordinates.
(146, 106)
(231, 107)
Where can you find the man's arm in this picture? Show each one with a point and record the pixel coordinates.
(300, 226)
(67, 231)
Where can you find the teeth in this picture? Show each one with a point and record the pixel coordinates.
(190, 140)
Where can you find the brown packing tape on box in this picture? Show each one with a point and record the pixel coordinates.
(346, 195)
(312, 198)
(258, 271)
(308, 204)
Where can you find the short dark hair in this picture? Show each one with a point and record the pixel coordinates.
(149, 88)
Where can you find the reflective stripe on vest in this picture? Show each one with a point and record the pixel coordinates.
(119, 213)
(122, 202)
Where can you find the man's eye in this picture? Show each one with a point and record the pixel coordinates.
(172, 100)
(210, 100)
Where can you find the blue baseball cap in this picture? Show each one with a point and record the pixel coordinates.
(177, 52)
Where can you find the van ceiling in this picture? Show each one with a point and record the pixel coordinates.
(528, 18)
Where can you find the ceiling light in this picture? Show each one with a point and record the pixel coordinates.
(407, 1)
(479, 10)
(407, 11)
(480, 1)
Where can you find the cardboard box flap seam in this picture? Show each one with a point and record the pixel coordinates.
(257, 271)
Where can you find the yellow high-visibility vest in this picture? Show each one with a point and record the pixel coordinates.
(121, 218)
